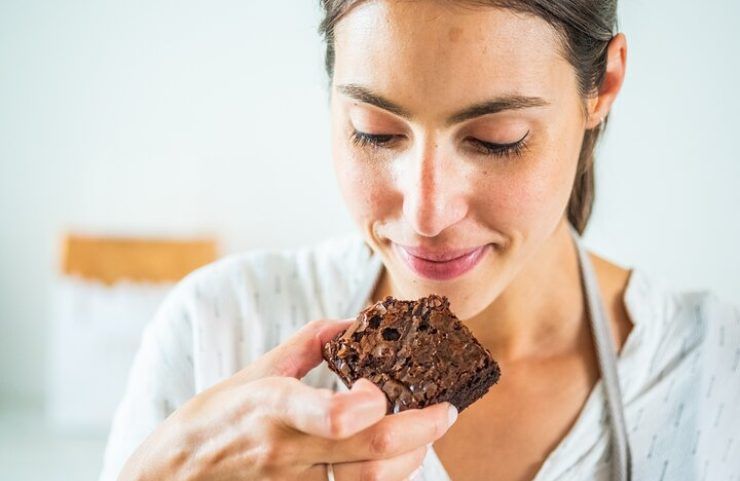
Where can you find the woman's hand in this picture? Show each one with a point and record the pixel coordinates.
(264, 424)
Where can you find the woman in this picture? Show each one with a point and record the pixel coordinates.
(463, 142)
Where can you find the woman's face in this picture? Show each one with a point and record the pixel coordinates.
(455, 129)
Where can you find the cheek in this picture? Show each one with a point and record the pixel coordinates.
(530, 198)
(366, 186)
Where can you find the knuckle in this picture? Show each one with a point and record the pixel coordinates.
(272, 454)
(281, 388)
(336, 417)
(382, 443)
(263, 384)
(371, 472)
(285, 384)
(268, 455)
(270, 388)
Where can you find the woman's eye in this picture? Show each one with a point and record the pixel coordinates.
(363, 139)
(513, 149)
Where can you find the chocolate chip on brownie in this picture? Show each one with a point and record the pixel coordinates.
(417, 352)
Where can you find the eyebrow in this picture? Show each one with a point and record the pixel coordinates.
(492, 106)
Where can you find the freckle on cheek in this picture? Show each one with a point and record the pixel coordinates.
(454, 34)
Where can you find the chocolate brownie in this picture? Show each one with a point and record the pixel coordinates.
(417, 352)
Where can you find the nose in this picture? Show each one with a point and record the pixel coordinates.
(433, 191)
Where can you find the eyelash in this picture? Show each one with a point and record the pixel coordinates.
(362, 139)
(514, 149)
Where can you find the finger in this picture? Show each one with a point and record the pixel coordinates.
(392, 435)
(320, 412)
(398, 468)
(296, 356)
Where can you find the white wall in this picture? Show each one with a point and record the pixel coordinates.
(177, 117)
(669, 171)
(153, 117)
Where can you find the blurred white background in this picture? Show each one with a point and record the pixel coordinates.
(179, 118)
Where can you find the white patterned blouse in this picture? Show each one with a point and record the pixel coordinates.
(679, 368)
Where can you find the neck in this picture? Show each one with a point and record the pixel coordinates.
(541, 312)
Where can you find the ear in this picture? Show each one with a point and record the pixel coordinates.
(616, 64)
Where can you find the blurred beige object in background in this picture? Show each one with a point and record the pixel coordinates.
(112, 259)
(108, 290)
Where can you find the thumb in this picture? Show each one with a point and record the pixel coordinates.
(298, 354)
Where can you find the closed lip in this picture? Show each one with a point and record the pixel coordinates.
(440, 255)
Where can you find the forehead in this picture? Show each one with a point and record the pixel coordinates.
(422, 49)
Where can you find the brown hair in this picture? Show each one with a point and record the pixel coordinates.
(585, 28)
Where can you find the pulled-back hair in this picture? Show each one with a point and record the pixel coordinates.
(584, 28)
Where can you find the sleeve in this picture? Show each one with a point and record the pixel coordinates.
(160, 380)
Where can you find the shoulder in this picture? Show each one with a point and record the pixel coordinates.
(682, 342)
(613, 280)
(335, 253)
(675, 324)
(320, 271)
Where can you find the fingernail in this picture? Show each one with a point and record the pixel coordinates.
(452, 414)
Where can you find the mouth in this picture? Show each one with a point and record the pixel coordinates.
(441, 266)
